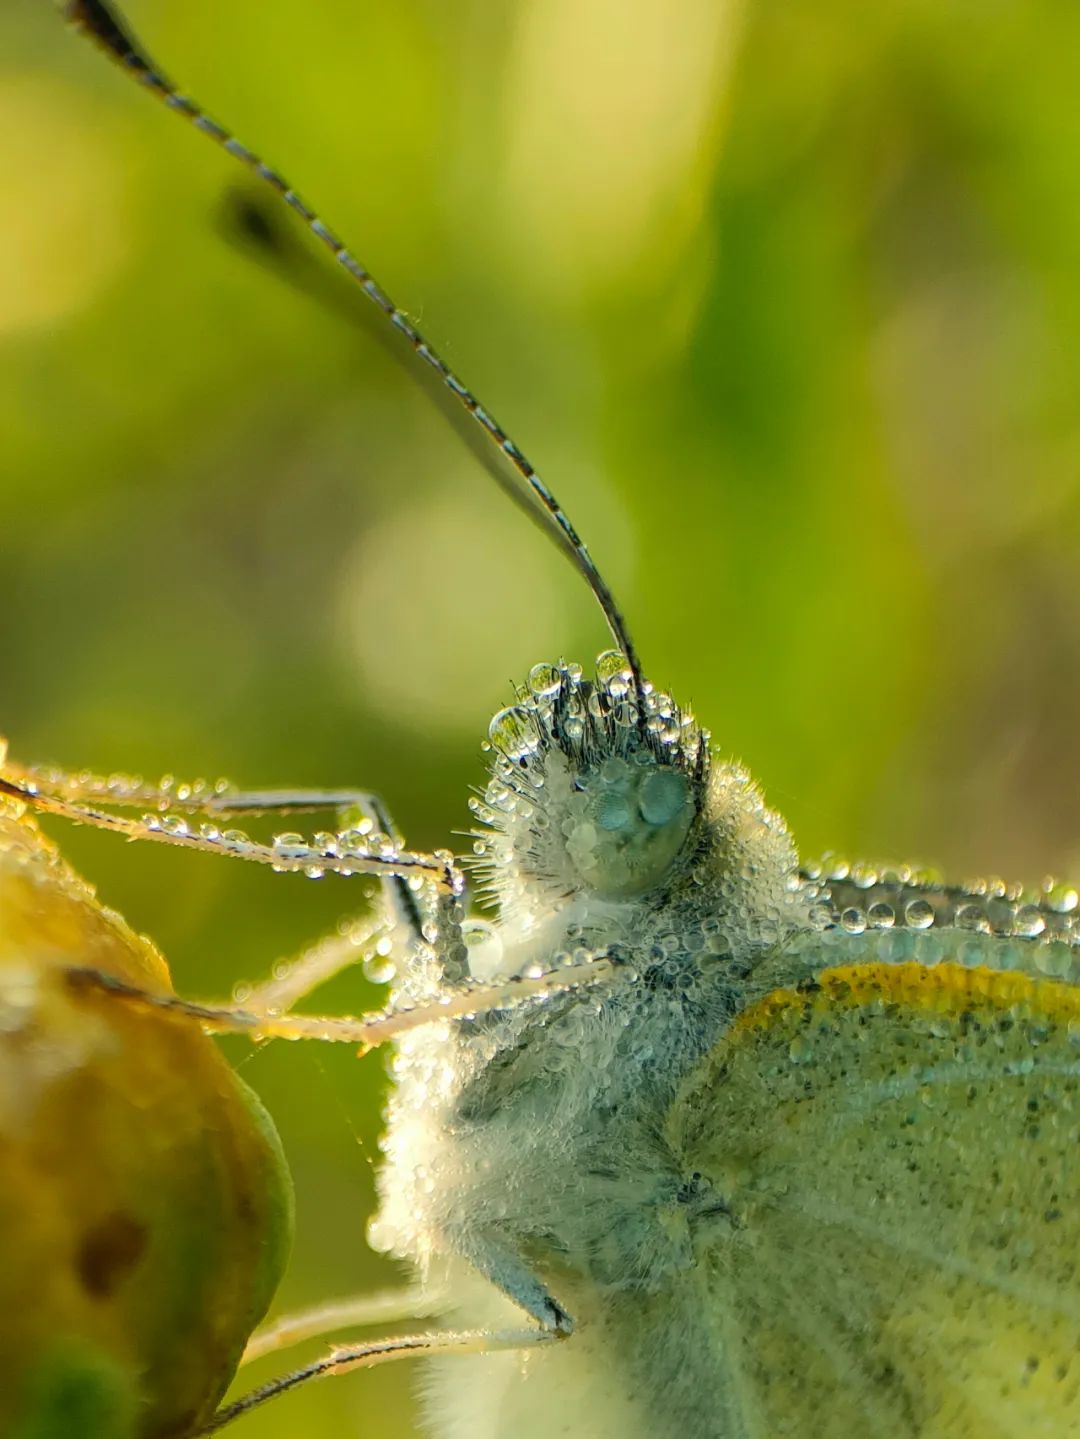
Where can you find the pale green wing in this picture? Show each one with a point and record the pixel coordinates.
(896, 1147)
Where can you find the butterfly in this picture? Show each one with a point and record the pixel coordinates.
(692, 1138)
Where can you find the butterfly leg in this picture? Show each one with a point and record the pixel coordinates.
(351, 809)
(64, 794)
(198, 796)
(361, 938)
(343, 1359)
(357, 814)
(510, 1273)
(365, 1031)
(399, 892)
(342, 852)
(348, 851)
(399, 917)
(385, 1306)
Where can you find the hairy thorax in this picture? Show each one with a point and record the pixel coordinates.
(540, 1129)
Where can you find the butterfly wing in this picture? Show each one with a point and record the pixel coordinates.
(895, 1250)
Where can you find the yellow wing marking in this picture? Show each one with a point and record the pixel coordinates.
(943, 989)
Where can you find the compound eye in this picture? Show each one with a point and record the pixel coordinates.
(612, 810)
(628, 825)
(662, 795)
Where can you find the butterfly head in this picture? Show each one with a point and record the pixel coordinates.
(604, 795)
(594, 787)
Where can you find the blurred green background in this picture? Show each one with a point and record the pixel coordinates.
(783, 299)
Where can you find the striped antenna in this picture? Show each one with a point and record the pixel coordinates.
(101, 23)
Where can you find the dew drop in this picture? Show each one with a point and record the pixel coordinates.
(1028, 921)
(820, 916)
(1054, 959)
(379, 968)
(1008, 955)
(971, 953)
(853, 920)
(973, 917)
(544, 680)
(611, 665)
(514, 732)
(918, 914)
(484, 948)
(881, 915)
(1061, 898)
(929, 949)
(894, 946)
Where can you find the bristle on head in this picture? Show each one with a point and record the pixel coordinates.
(587, 792)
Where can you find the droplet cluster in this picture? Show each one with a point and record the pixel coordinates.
(130, 789)
(594, 783)
(186, 814)
(907, 913)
